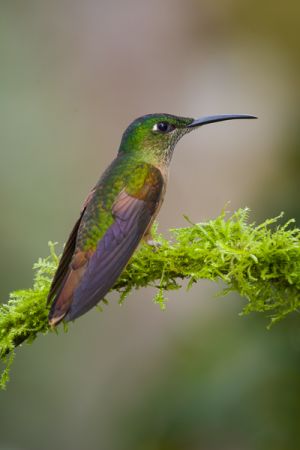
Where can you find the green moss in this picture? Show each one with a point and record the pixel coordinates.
(261, 263)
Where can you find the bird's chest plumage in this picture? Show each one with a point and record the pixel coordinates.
(165, 175)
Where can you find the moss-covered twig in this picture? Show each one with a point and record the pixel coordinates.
(261, 263)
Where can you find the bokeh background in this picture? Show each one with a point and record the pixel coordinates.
(73, 75)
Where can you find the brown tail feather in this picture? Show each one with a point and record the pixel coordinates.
(63, 300)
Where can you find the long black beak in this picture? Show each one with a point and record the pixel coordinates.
(219, 118)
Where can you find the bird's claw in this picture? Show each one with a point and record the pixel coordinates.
(155, 244)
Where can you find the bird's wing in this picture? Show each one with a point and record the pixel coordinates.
(68, 252)
(93, 273)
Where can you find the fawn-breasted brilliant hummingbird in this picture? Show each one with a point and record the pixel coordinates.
(118, 213)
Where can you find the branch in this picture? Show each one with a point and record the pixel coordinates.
(261, 263)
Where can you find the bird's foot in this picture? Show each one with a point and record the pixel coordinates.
(155, 244)
(148, 238)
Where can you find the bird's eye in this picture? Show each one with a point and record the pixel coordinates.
(163, 127)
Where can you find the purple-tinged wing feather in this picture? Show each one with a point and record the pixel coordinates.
(132, 216)
(85, 276)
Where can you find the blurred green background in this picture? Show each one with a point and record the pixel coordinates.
(73, 75)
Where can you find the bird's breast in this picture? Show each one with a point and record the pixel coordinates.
(165, 174)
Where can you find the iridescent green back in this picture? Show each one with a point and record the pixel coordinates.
(124, 173)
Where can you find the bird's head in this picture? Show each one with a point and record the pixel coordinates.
(154, 136)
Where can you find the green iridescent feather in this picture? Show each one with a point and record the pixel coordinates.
(124, 173)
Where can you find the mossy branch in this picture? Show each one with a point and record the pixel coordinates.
(261, 263)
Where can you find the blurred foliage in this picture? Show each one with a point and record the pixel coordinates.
(261, 263)
(216, 394)
(286, 180)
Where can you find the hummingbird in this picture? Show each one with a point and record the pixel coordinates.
(118, 213)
